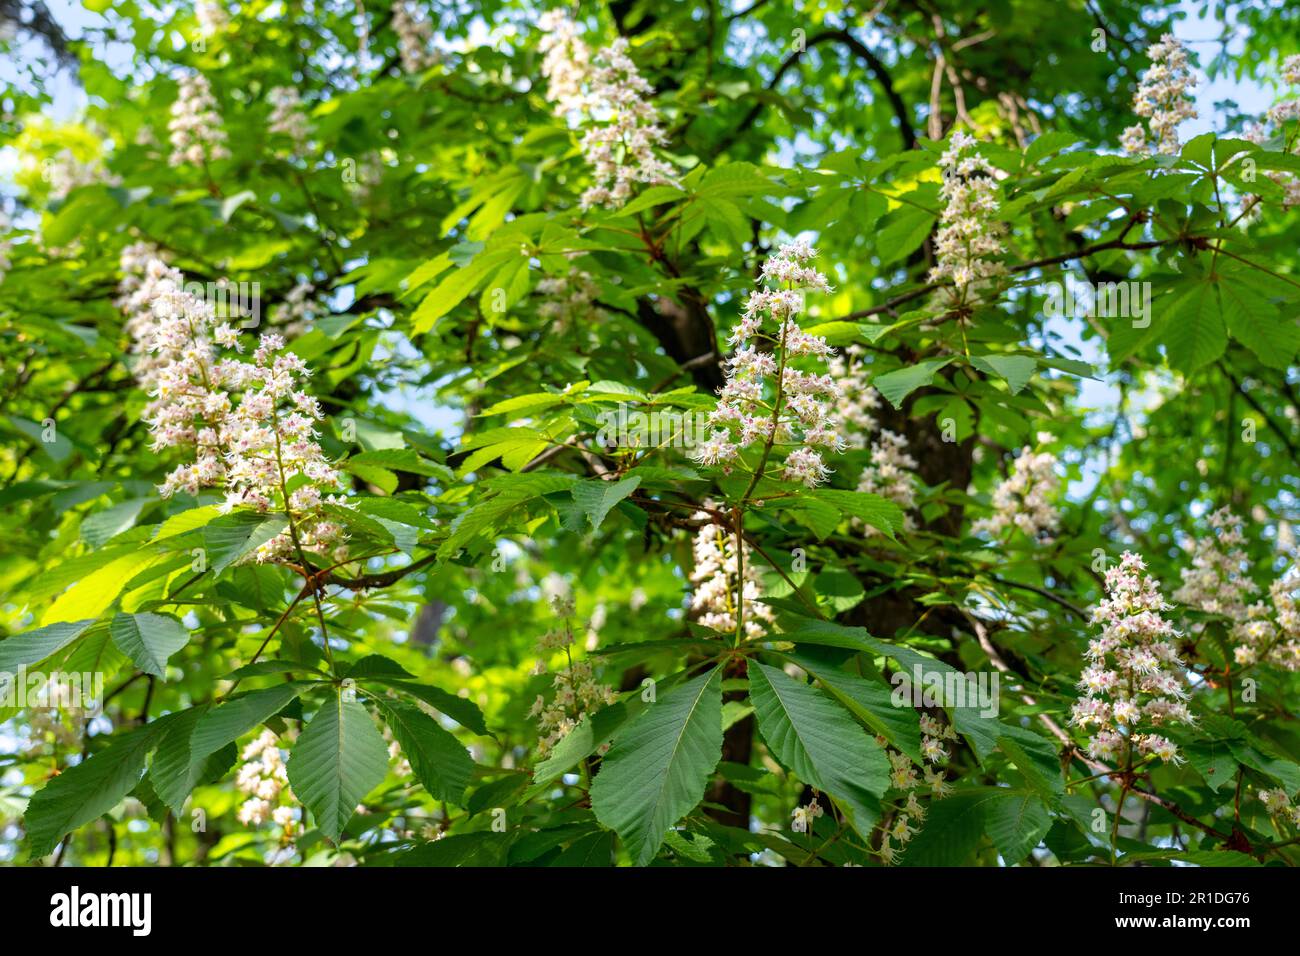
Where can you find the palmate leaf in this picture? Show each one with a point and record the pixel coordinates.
(232, 536)
(1196, 335)
(1015, 820)
(34, 646)
(440, 762)
(90, 789)
(149, 639)
(229, 721)
(595, 498)
(816, 739)
(898, 384)
(339, 758)
(659, 765)
(460, 709)
(172, 773)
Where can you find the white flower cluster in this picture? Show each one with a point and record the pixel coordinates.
(802, 818)
(297, 310)
(610, 93)
(970, 234)
(263, 779)
(1279, 806)
(1277, 641)
(1278, 115)
(1219, 582)
(717, 588)
(288, 118)
(766, 400)
(195, 129)
(903, 776)
(65, 173)
(414, 33)
(1163, 99)
(577, 692)
(621, 151)
(566, 61)
(1023, 499)
(137, 290)
(251, 424)
(891, 474)
(211, 16)
(1133, 679)
(568, 297)
(855, 400)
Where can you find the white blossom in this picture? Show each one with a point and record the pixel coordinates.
(1163, 98)
(970, 235)
(716, 577)
(195, 129)
(249, 425)
(288, 118)
(566, 61)
(1023, 500)
(576, 690)
(1133, 680)
(414, 34)
(767, 401)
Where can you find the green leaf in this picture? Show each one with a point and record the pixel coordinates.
(104, 525)
(1016, 369)
(1212, 758)
(188, 520)
(232, 536)
(1015, 820)
(654, 196)
(172, 772)
(1195, 335)
(881, 513)
(462, 849)
(440, 762)
(93, 594)
(229, 721)
(901, 232)
(149, 639)
(339, 758)
(816, 739)
(32, 647)
(1254, 322)
(871, 701)
(595, 497)
(460, 709)
(87, 791)
(1048, 143)
(897, 385)
(453, 289)
(660, 764)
